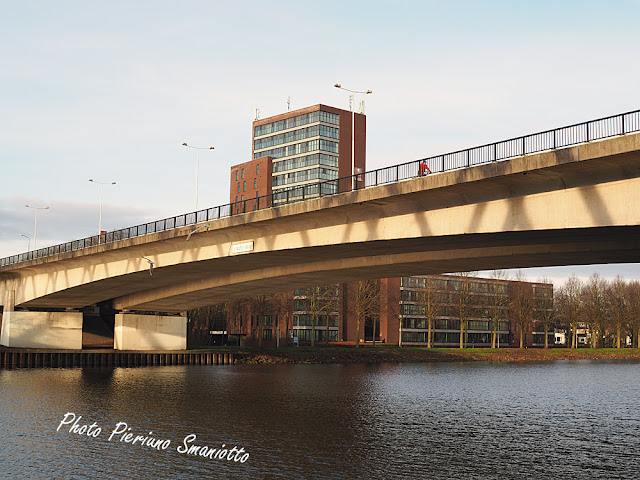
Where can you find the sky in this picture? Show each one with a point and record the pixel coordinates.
(111, 90)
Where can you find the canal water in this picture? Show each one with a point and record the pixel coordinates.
(563, 419)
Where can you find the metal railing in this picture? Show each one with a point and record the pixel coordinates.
(607, 127)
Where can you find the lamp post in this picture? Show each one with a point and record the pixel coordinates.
(102, 184)
(28, 238)
(197, 149)
(35, 228)
(353, 129)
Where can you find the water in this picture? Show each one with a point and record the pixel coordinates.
(571, 419)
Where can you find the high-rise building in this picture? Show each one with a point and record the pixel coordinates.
(299, 154)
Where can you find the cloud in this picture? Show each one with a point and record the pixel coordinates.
(62, 222)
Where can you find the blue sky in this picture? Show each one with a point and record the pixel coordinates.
(110, 90)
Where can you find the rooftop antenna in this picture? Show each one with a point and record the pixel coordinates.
(256, 113)
(288, 104)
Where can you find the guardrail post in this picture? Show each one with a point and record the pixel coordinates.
(623, 124)
(587, 131)
(523, 147)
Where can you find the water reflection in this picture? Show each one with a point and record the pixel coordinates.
(578, 419)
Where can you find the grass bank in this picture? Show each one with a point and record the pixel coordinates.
(394, 354)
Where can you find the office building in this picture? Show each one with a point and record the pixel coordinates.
(298, 154)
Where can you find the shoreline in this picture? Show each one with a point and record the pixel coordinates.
(321, 354)
(393, 354)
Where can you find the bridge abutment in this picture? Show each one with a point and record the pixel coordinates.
(25, 329)
(150, 332)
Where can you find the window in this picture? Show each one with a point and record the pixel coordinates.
(244, 186)
(238, 187)
(255, 183)
(267, 334)
(236, 198)
(237, 175)
(243, 173)
(258, 169)
(242, 198)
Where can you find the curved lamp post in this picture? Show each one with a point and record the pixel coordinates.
(28, 238)
(35, 228)
(102, 184)
(353, 129)
(197, 149)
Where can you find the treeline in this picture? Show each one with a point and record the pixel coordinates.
(609, 309)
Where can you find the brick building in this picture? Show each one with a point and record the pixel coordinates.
(401, 314)
(295, 154)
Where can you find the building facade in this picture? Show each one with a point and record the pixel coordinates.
(298, 154)
(403, 309)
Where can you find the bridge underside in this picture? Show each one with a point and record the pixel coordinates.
(217, 280)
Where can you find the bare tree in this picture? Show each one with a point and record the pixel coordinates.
(616, 296)
(544, 308)
(261, 305)
(430, 304)
(285, 302)
(366, 303)
(463, 300)
(498, 302)
(521, 305)
(569, 305)
(633, 299)
(594, 307)
(321, 300)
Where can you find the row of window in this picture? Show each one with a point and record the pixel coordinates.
(453, 337)
(453, 284)
(295, 135)
(305, 191)
(305, 176)
(452, 324)
(299, 148)
(304, 119)
(304, 335)
(305, 320)
(327, 291)
(305, 161)
(450, 310)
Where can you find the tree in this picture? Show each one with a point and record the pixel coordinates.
(260, 305)
(544, 307)
(617, 300)
(569, 303)
(498, 302)
(285, 302)
(521, 304)
(366, 303)
(428, 299)
(321, 300)
(594, 307)
(463, 300)
(633, 299)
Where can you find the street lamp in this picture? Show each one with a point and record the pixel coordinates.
(353, 129)
(35, 228)
(28, 238)
(102, 184)
(197, 149)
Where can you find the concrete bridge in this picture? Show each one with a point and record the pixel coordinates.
(572, 206)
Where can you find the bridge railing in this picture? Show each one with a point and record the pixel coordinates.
(579, 133)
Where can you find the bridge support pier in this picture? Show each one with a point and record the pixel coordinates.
(150, 332)
(24, 329)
